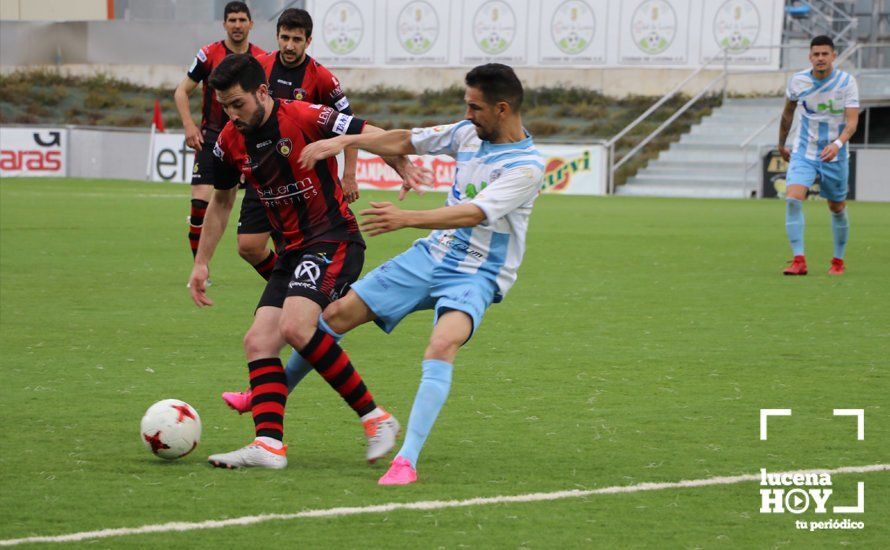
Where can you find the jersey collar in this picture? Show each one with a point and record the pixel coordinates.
(488, 147)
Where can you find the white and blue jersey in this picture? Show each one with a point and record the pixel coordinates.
(822, 105)
(464, 269)
(503, 180)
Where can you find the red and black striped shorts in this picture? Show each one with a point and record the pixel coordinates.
(321, 272)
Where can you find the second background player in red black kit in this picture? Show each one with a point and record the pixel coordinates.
(291, 74)
(237, 24)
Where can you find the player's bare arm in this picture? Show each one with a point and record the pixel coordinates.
(193, 137)
(350, 186)
(851, 119)
(372, 140)
(384, 217)
(221, 203)
(785, 127)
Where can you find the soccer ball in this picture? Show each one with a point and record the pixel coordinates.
(171, 429)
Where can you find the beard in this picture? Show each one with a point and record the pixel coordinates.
(485, 135)
(255, 121)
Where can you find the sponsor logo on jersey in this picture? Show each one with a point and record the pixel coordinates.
(342, 103)
(341, 124)
(202, 56)
(218, 152)
(284, 147)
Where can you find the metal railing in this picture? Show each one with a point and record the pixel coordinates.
(725, 74)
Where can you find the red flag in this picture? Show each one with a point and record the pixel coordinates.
(157, 119)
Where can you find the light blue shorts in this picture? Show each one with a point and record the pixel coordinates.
(833, 176)
(413, 281)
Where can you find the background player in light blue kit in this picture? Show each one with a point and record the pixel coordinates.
(470, 259)
(830, 101)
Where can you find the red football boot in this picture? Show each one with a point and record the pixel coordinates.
(837, 267)
(798, 266)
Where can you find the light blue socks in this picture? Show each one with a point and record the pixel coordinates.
(840, 227)
(297, 367)
(794, 223)
(434, 386)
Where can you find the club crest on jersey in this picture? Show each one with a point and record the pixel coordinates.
(495, 174)
(299, 94)
(284, 147)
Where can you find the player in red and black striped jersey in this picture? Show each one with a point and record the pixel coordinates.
(322, 252)
(291, 74)
(237, 24)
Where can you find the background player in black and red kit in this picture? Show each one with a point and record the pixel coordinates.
(323, 252)
(291, 74)
(237, 24)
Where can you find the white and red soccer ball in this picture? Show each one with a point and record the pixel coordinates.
(171, 429)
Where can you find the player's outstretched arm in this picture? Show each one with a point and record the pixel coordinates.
(193, 137)
(384, 217)
(372, 139)
(215, 220)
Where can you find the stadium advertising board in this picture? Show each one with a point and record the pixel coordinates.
(171, 159)
(573, 32)
(557, 33)
(654, 32)
(344, 31)
(33, 152)
(742, 27)
(568, 169)
(494, 31)
(417, 32)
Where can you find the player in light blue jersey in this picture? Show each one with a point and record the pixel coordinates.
(830, 101)
(471, 257)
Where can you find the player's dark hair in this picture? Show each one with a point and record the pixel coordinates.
(295, 18)
(822, 40)
(236, 7)
(498, 83)
(238, 68)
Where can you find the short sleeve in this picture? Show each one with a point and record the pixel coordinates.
(514, 188)
(200, 68)
(225, 176)
(792, 91)
(329, 122)
(851, 94)
(440, 140)
(331, 92)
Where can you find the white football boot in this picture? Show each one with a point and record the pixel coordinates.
(255, 455)
(381, 433)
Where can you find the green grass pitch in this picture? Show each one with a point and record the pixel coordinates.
(639, 343)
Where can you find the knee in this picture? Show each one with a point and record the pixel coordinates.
(441, 348)
(250, 252)
(297, 334)
(256, 344)
(837, 207)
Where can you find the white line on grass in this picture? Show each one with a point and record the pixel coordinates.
(422, 505)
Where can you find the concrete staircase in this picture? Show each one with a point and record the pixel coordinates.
(707, 162)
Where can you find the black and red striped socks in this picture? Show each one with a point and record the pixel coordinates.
(196, 222)
(265, 267)
(268, 384)
(332, 363)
